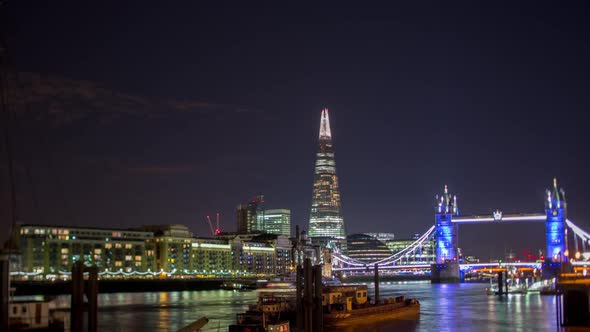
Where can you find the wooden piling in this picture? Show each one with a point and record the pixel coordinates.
(298, 296)
(317, 299)
(308, 295)
(77, 298)
(377, 295)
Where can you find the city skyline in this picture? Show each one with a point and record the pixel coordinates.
(170, 122)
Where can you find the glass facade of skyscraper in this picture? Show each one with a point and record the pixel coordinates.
(255, 218)
(325, 222)
(276, 221)
(248, 215)
(366, 248)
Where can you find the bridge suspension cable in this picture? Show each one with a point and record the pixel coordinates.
(391, 259)
(400, 254)
(585, 236)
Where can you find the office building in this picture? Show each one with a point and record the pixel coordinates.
(275, 221)
(249, 215)
(366, 248)
(326, 225)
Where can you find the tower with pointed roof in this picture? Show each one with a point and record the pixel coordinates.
(556, 210)
(446, 233)
(326, 225)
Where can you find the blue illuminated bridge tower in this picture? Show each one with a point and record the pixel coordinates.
(446, 231)
(447, 219)
(556, 211)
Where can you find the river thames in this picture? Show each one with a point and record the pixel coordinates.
(452, 307)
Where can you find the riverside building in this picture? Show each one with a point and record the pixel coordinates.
(51, 250)
(48, 252)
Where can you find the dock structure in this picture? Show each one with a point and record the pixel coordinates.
(573, 300)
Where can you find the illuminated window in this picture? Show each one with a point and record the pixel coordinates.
(108, 245)
(118, 245)
(97, 251)
(137, 258)
(64, 250)
(128, 246)
(128, 258)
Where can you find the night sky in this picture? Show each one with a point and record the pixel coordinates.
(149, 112)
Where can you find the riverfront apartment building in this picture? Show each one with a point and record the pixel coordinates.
(50, 251)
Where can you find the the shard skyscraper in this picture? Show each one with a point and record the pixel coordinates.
(325, 223)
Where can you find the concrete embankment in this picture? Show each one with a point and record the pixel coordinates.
(116, 286)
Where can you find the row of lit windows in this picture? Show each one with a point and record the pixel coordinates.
(61, 231)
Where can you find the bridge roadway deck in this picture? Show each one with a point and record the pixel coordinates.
(500, 218)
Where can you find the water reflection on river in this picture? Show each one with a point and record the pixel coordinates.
(457, 307)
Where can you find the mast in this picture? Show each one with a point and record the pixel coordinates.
(7, 121)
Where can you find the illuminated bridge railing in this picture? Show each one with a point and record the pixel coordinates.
(465, 267)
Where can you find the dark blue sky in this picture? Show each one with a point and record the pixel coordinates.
(149, 112)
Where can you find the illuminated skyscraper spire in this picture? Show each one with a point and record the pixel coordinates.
(325, 131)
(325, 223)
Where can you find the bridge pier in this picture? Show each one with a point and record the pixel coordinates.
(445, 273)
(550, 270)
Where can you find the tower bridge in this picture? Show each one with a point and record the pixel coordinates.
(445, 231)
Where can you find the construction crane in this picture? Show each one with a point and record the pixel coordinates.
(217, 230)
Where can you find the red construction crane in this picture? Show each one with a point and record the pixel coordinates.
(217, 230)
(208, 218)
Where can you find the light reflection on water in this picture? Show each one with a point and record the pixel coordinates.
(456, 307)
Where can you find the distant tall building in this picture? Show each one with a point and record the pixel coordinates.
(248, 215)
(276, 221)
(254, 218)
(325, 222)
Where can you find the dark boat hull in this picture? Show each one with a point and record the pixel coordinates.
(373, 314)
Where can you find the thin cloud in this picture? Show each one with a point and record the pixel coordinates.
(62, 102)
(161, 169)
